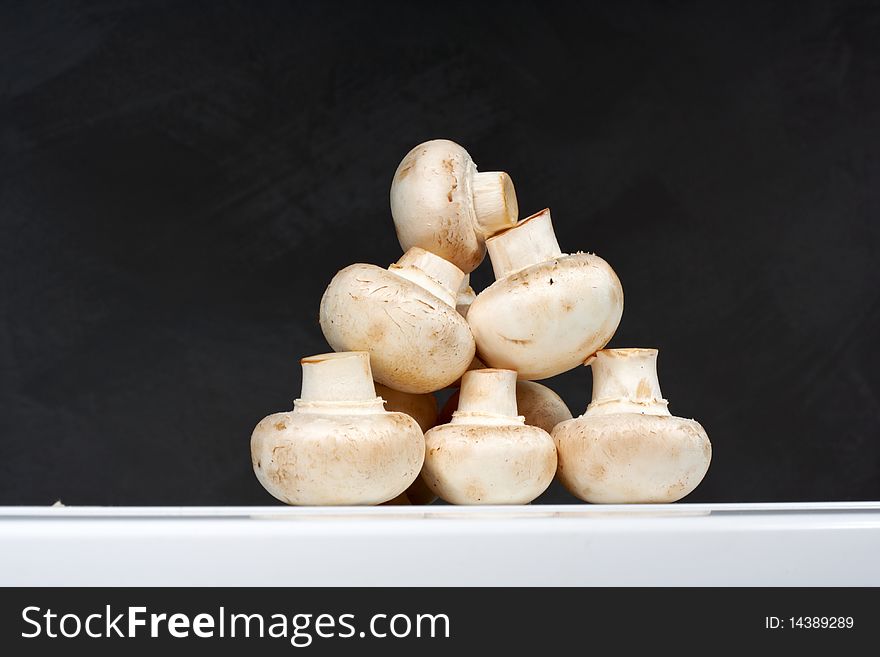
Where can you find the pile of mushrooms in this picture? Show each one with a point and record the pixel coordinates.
(368, 428)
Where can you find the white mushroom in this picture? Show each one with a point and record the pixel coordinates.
(404, 317)
(423, 409)
(538, 404)
(627, 447)
(487, 454)
(440, 203)
(546, 312)
(338, 445)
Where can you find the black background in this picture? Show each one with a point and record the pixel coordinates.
(179, 182)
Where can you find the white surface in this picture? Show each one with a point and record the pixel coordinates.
(681, 544)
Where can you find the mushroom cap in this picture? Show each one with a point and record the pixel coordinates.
(335, 459)
(547, 318)
(483, 464)
(417, 343)
(629, 458)
(432, 203)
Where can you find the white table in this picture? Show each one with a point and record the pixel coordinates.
(681, 544)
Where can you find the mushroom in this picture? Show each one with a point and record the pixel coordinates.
(627, 447)
(538, 404)
(405, 317)
(423, 409)
(487, 454)
(440, 203)
(338, 445)
(546, 312)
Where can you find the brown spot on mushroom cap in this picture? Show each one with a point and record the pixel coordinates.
(375, 333)
(595, 471)
(515, 340)
(474, 491)
(280, 426)
(405, 168)
(449, 166)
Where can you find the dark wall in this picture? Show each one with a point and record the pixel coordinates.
(179, 182)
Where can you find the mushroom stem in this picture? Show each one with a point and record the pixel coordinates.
(487, 397)
(337, 378)
(465, 296)
(495, 204)
(529, 242)
(431, 272)
(625, 381)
